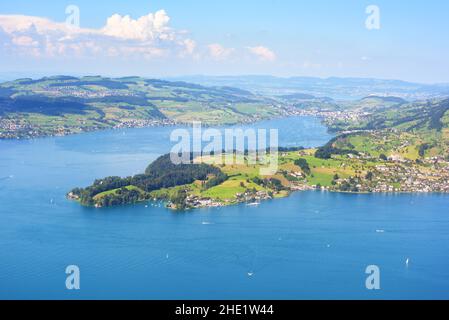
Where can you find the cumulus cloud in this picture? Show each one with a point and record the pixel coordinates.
(148, 36)
(263, 53)
(218, 52)
(25, 41)
(147, 28)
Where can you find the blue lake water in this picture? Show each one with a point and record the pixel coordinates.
(310, 245)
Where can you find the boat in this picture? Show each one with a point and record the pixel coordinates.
(253, 204)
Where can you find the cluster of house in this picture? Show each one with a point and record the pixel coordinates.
(193, 201)
(253, 197)
(400, 178)
(331, 116)
(11, 129)
(142, 123)
(72, 91)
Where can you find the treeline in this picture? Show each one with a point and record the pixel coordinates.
(326, 151)
(122, 196)
(271, 183)
(86, 195)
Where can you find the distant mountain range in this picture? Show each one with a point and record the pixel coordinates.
(334, 87)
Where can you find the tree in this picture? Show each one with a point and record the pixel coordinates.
(423, 148)
(304, 165)
(179, 199)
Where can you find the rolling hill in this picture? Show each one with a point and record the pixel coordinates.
(409, 131)
(65, 104)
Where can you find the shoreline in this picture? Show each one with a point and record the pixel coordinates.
(166, 204)
(173, 123)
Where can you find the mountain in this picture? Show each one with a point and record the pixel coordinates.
(66, 104)
(418, 116)
(333, 87)
(409, 131)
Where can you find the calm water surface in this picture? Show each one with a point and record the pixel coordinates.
(310, 245)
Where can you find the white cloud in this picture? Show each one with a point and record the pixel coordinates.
(263, 53)
(147, 28)
(148, 36)
(19, 23)
(218, 52)
(122, 37)
(189, 46)
(24, 41)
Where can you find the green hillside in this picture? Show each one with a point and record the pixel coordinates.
(409, 131)
(63, 104)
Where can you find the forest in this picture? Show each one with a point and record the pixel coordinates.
(160, 174)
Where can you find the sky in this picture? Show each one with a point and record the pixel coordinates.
(406, 40)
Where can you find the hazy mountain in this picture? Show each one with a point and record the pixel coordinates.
(334, 87)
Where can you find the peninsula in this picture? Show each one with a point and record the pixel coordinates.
(403, 149)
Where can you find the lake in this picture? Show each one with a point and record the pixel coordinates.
(312, 245)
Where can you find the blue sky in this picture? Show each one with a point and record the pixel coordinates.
(284, 38)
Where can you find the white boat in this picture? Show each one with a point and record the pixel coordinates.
(253, 204)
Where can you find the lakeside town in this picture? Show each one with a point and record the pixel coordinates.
(62, 105)
(356, 174)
